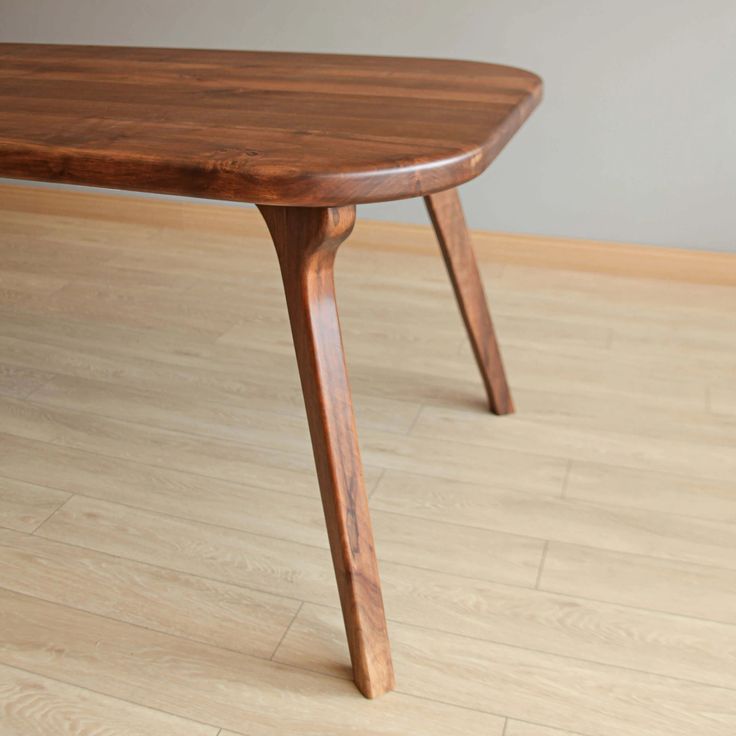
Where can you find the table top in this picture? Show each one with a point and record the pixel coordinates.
(252, 126)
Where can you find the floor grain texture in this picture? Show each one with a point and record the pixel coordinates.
(566, 571)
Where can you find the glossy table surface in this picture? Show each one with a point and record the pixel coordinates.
(270, 128)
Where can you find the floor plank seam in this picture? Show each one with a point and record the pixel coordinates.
(552, 653)
(254, 445)
(286, 631)
(126, 460)
(395, 513)
(414, 421)
(407, 565)
(596, 504)
(396, 433)
(305, 452)
(545, 725)
(390, 619)
(54, 512)
(143, 627)
(541, 565)
(377, 484)
(57, 509)
(660, 611)
(563, 456)
(277, 539)
(415, 696)
(166, 569)
(611, 550)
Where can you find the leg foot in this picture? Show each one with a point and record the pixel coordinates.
(306, 241)
(447, 218)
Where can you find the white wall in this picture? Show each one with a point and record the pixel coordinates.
(636, 140)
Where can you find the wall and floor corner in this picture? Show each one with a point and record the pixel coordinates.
(634, 142)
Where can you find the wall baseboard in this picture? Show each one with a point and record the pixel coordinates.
(622, 259)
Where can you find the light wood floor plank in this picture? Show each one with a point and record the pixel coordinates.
(193, 607)
(616, 528)
(568, 571)
(523, 684)
(114, 354)
(38, 706)
(195, 415)
(520, 728)
(645, 582)
(652, 491)
(23, 506)
(276, 566)
(610, 299)
(367, 317)
(445, 601)
(484, 554)
(159, 367)
(715, 460)
(607, 413)
(163, 448)
(207, 684)
(253, 457)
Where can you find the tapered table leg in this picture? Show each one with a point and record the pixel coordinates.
(306, 241)
(447, 218)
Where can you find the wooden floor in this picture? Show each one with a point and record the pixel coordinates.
(164, 567)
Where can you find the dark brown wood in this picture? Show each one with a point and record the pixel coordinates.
(447, 218)
(306, 241)
(269, 128)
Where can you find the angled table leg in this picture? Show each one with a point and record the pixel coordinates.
(447, 218)
(306, 241)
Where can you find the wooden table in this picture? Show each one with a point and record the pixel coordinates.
(306, 137)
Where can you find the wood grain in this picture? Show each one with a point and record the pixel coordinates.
(522, 683)
(452, 233)
(271, 128)
(153, 597)
(23, 506)
(206, 683)
(603, 526)
(278, 514)
(441, 595)
(645, 489)
(44, 707)
(713, 458)
(306, 241)
(700, 591)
